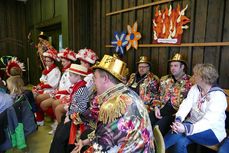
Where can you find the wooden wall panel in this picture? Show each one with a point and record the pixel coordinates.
(208, 24)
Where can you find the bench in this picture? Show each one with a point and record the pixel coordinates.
(216, 147)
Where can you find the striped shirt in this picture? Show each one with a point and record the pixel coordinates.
(80, 100)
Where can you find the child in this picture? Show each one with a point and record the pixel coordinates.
(61, 95)
(87, 58)
(48, 82)
(79, 102)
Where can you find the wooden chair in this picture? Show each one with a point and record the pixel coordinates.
(158, 140)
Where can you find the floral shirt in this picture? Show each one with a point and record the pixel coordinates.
(146, 87)
(123, 123)
(173, 91)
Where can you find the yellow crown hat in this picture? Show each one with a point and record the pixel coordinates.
(143, 59)
(114, 66)
(178, 58)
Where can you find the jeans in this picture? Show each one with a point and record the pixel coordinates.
(181, 141)
(224, 148)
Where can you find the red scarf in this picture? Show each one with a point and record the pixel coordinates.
(89, 71)
(76, 86)
(49, 69)
(66, 67)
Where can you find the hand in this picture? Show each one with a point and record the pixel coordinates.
(157, 113)
(177, 127)
(38, 87)
(78, 147)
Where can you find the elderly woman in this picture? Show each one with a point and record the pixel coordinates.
(201, 116)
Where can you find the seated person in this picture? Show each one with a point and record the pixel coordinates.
(48, 82)
(87, 58)
(173, 89)
(201, 116)
(78, 103)
(123, 123)
(15, 83)
(144, 82)
(60, 95)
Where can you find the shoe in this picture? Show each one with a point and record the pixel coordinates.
(40, 123)
(52, 132)
(54, 125)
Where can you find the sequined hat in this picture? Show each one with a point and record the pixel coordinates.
(143, 59)
(114, 66)
(178, 58)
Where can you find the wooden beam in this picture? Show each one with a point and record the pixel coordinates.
(138, 7)
(207, 44)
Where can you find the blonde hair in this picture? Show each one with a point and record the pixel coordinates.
(15, 84)
(207, 72)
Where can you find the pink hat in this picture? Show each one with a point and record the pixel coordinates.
(68, 54)
(51, 53)
(87, 55)
(78, 69)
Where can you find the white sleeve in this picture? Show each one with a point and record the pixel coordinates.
(187, 103)
(54, 77)
(215, 113)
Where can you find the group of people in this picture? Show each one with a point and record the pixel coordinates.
(97, 109)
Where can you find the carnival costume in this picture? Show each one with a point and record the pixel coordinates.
(123, 124)
(50, 75)
(171, 94)
(203, 118)
(146, 86)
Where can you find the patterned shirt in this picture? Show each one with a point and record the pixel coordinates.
(172, 90)
(123, 123)
(146, 87)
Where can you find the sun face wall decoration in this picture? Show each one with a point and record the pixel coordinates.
(168, 25)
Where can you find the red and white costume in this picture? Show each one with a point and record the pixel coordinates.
(50, 76)
(64, 89)
(89, 56)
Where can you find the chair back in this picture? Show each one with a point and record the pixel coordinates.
(158, 140)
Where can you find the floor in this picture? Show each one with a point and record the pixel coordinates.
(38, 142)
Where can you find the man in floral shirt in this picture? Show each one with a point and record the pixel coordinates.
(123, 124)
(173, 89)
(144, 82)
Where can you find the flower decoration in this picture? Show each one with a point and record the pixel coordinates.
(133, 36)
(120, 42)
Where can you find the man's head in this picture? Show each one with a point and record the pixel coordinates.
(109, 72)
(104, 80)
(177, 65)
(143, 65)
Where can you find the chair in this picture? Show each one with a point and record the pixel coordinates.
(158, 140)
